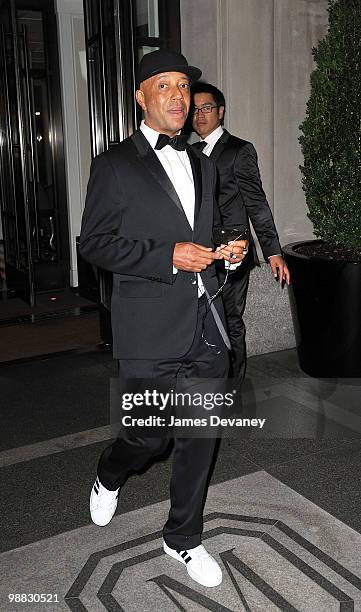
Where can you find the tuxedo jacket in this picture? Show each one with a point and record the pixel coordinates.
(240, 194)
(132, 220)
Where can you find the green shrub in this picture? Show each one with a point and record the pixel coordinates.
(331, 139)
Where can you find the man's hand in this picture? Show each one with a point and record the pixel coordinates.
(279, 269)
(235, 251)
(193, 257)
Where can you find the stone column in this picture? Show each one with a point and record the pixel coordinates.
(75, 116)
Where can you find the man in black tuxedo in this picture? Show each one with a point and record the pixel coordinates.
(148, 219)
(241, 198)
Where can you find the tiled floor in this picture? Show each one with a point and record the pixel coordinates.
(279, 551)
(55, 412)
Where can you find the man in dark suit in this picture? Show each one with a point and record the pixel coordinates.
(241, 198)
(148, 219)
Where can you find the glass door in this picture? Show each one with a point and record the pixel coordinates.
(33, 202)
(15, 191)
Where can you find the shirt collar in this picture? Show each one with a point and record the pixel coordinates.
(150, 134)
(212, 138)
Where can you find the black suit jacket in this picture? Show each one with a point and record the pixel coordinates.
(132, 220)
(240, 194)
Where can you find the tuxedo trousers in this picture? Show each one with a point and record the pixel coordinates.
(192, 457)
(234, 295)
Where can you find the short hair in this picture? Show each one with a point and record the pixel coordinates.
(200, 87)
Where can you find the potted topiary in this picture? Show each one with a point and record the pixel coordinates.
(326, 273)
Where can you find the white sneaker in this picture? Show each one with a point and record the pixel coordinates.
(200, 565)
(103, 504)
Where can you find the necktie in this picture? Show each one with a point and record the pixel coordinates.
(200, 145)
(177, 142)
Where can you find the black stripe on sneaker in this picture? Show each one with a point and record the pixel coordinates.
(96, 489)
(184, 554)
(188, 559)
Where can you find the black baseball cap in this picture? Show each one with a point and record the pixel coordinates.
(164, 60)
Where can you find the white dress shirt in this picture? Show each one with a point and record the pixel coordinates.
(179, 170)
(211, 140)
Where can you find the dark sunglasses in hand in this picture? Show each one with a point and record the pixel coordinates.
(222, 234)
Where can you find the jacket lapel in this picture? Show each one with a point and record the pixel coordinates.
(153, 165)
(219, 146)
(197, 179)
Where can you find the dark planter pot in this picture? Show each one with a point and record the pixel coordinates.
(325, 297)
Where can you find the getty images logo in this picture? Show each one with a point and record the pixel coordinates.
(175, 399)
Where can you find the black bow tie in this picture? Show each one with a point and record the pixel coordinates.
(177, 142)
(200, 145)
